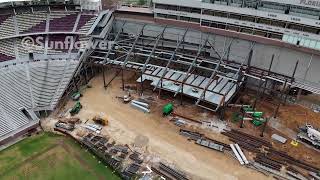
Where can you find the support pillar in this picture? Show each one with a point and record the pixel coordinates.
(264, 127)
(269, 70)
(292, 80)
(141, 78)
(278, 107)
(104, 78)
(181, 95)
(242, 112)
(258, 93)
(122, 80)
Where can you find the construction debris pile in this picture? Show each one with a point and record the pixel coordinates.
(269, 159)
(265, 159)
(126, 162)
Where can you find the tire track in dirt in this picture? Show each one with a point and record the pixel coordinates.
(31, 158)
(83, 163)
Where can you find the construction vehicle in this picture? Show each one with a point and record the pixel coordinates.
(102, 120)
(309, 135)
(249, 114)
(126, 98)
(76, 96)
(66, 126)
(76, 108)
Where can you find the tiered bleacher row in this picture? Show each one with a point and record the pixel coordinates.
(6, 50)
(35, 86)
(54, 47)
(35, 78)
(58, 21)
(75, 23)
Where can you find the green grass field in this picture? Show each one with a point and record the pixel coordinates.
(49, 156)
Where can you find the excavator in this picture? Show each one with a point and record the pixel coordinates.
(102, 120)
(76, 108)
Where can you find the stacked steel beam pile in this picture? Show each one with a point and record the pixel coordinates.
(284, 157)
(266, 155)
(177, 175)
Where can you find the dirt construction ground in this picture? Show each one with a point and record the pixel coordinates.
(156, 134)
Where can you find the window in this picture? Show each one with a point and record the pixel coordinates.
(278, 23)
(184, 18)
(248, 18)
(161, 6)
(295, 27)
(235, 16)
(197, 20)
(208, 12)
(264, 21)
(161, 15)
(172, 17)
(221, 14)
(205, 23)
(311, 30)
(185, 9)
(172, 8)
(233, 28)
(196, 10)
(276, 36)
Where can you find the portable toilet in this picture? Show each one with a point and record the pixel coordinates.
(167, 109)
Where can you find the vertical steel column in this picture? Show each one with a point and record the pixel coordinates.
(305, 76)
(292, 80)
(264, 127)
(171, 58)
(248, 69)
(269, 70)
(242, 112)
(278, 107)
(122, 79)
(104, 78)
(258, 91)
(141, 79)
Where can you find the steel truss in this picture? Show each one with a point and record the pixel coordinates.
(182, 67)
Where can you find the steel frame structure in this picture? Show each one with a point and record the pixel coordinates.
(181, 62)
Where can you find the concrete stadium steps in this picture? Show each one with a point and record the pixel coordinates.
(3, 18)
(83, 40)
(14, 94)
(29, 23)
(7, 27)
(62, 21)
(5, 127)
(309, 87)
(33, 86)
(6, 50)
(54, 48)
(35, 49)
(48, 81)
(85, 23)
(17, 87)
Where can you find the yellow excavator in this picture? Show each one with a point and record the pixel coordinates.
(102, 120)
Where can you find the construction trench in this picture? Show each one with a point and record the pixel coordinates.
(149, 64)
